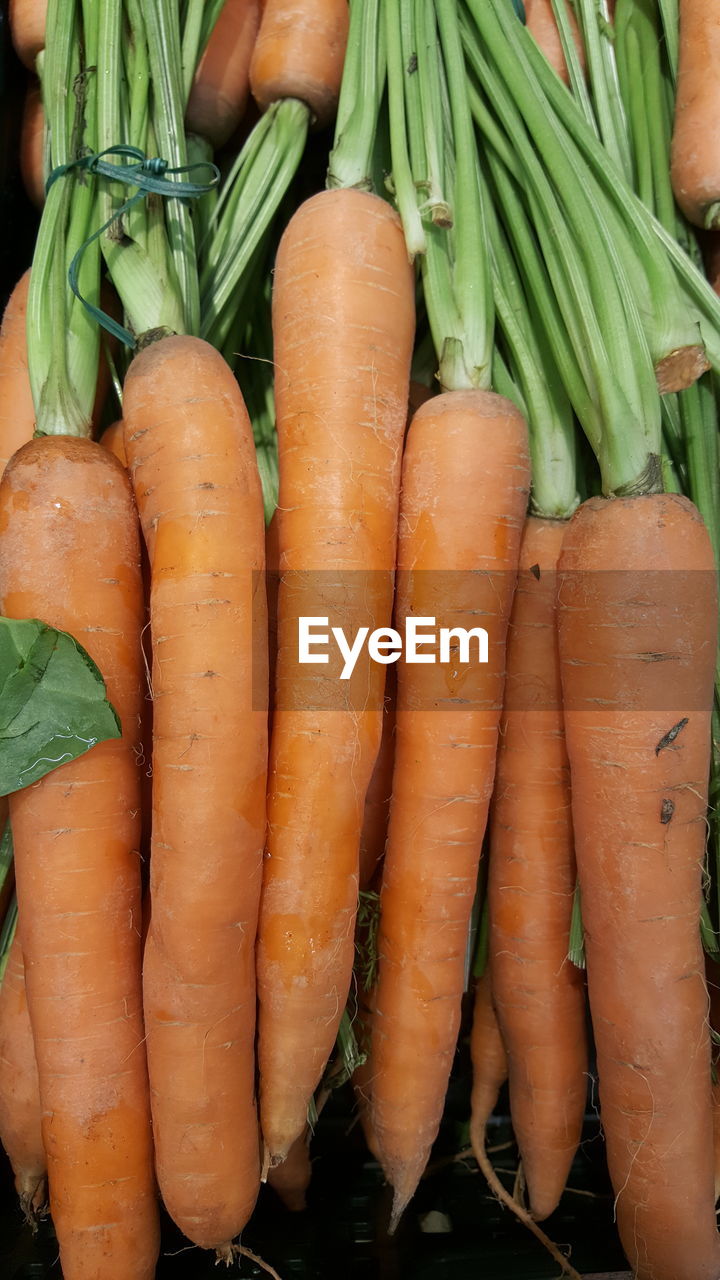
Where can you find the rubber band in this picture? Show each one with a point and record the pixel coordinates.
(150, 174)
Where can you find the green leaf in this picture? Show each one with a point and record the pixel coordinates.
(53, 703)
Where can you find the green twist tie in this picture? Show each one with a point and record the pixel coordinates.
(149, 175)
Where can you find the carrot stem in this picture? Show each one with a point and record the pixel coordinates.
(62, 347)
(245, 211)
(402, 177)
(471, 275)
(163, 39)
(602, 73)
(363, 84)
(576, 75)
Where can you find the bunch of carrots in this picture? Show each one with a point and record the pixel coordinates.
(473, 379)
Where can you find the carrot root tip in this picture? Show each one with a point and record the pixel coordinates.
(34, 1202)
(501, 1194)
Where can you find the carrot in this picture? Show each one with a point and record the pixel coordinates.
(637, 627)
(32, 145)
(712, 972)
(464, 493)
(69, 554)
(541, 23)
(377, 800)
(343, 321)
(695, 150)
(489, 1060)
(20, 1111)
(272, 564)
(299, 53)
(113, 439)
(17, 413)
(222, 80)
(490, 1068)
(539, 994)
(27, 28)
(192, 460)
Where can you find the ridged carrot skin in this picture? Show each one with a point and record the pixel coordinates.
(17, 412)
(464, 495)
(343, 323)
(20, 1109)
(539, 994)
(67, 518)
(299, 53)
(489, 1060)
(192, 460)
(637, 627)
(695, 151)
(222, 80)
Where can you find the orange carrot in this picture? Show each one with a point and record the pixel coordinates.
(299, 53)
(20, 1111)
(343, 322)
(17, 413)
(192, 459)
(113, 439)
(712, 972)
(489, 1060)
(222, 80)
(27, 28)
(542, 25)
(464, 494)
(695, 151)
(637, 625)
(32, 145)
(539, 994)
(69, 554)
(377, 800)
(490, 1069)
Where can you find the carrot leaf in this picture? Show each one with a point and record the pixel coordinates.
(54, 703)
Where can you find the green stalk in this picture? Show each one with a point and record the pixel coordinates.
(248, 212)
(543, 295)
(190, 48)
(547, 408)
(137, 257)
(576, 74)
(163, 38)
(58, 409)
(361, 92)
(698, 416)
(402, 178)
(616, 366)
(472, 284)
(430, 96)
(649, 237)
(644, 91)
(671, 26)
(7, 933)
(602, 74)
